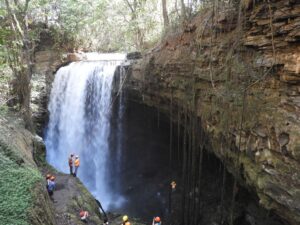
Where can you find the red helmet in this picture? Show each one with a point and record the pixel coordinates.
(48, 176)
(81, 214)
(157, 219)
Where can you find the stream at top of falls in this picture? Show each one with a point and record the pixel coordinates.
(80, 123)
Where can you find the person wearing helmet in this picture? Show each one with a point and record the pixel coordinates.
(48, 179)
(48, 176)
(83, 215)
(77, 164)
(71, 162)
(105, 221)
(51, 186)
(156, 221)
(125, 220)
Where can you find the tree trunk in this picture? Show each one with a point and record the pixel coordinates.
(165, 13)
(183, 10)
(21, 57)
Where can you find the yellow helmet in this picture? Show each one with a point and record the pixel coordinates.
(125, 218)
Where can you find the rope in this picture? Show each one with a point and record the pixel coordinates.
(118, 93)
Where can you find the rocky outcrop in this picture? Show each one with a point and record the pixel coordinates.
(47, 61)
(24, 199)
(240, 75)
(23, 194)
(76, 56)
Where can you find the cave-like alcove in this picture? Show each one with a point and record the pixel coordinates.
(145, 174)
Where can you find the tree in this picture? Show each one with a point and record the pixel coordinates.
(134, 7)
(183, 11)
(165, 13)
(20, 55)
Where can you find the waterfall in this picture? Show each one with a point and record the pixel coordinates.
(120, 115)
(80, 113)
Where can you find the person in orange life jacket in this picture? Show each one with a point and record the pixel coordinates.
(156, 221)
(125, 220)
(77, 164)
(71, 162)
(51, 186)
(83, 215)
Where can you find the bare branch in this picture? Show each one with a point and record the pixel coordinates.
(15, 22)
(130, 6)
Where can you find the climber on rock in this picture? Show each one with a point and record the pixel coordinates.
(105, 221)
(48, 176)
(71, 162)
(156, 221)
(125, 220)
(51, 186)
(83, 215)
(77, 164)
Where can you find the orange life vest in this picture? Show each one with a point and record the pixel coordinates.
(77, 163)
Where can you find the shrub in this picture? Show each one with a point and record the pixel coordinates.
(16, 184)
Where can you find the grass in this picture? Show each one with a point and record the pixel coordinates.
(16, 184)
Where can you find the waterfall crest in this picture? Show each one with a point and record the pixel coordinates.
(80, 113)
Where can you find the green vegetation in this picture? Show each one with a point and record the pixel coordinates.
(15, 188)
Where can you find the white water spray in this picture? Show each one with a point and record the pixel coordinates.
(80, 114)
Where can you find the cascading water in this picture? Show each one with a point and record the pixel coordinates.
(80, 113)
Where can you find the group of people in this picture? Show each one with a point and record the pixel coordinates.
(50, 184)
(84, 215)
(74, 164)
(156, 220)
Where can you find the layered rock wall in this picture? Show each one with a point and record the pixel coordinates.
(239, 72)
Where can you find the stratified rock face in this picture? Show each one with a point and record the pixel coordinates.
(46, 63)
(74, 57)
(242, 78)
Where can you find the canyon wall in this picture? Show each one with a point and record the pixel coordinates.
(238, 69)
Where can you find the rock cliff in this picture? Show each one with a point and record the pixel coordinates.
(24, 199)
(23, 195)
(238, 70)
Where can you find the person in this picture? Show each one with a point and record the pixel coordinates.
(47, 179)
(125, 220)
(83, 215)
(48, 176)
(105, 221)
(51, 186)
(71, 162)
(171, 191)
(173, 186)
(77, 164)
(156, 221)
